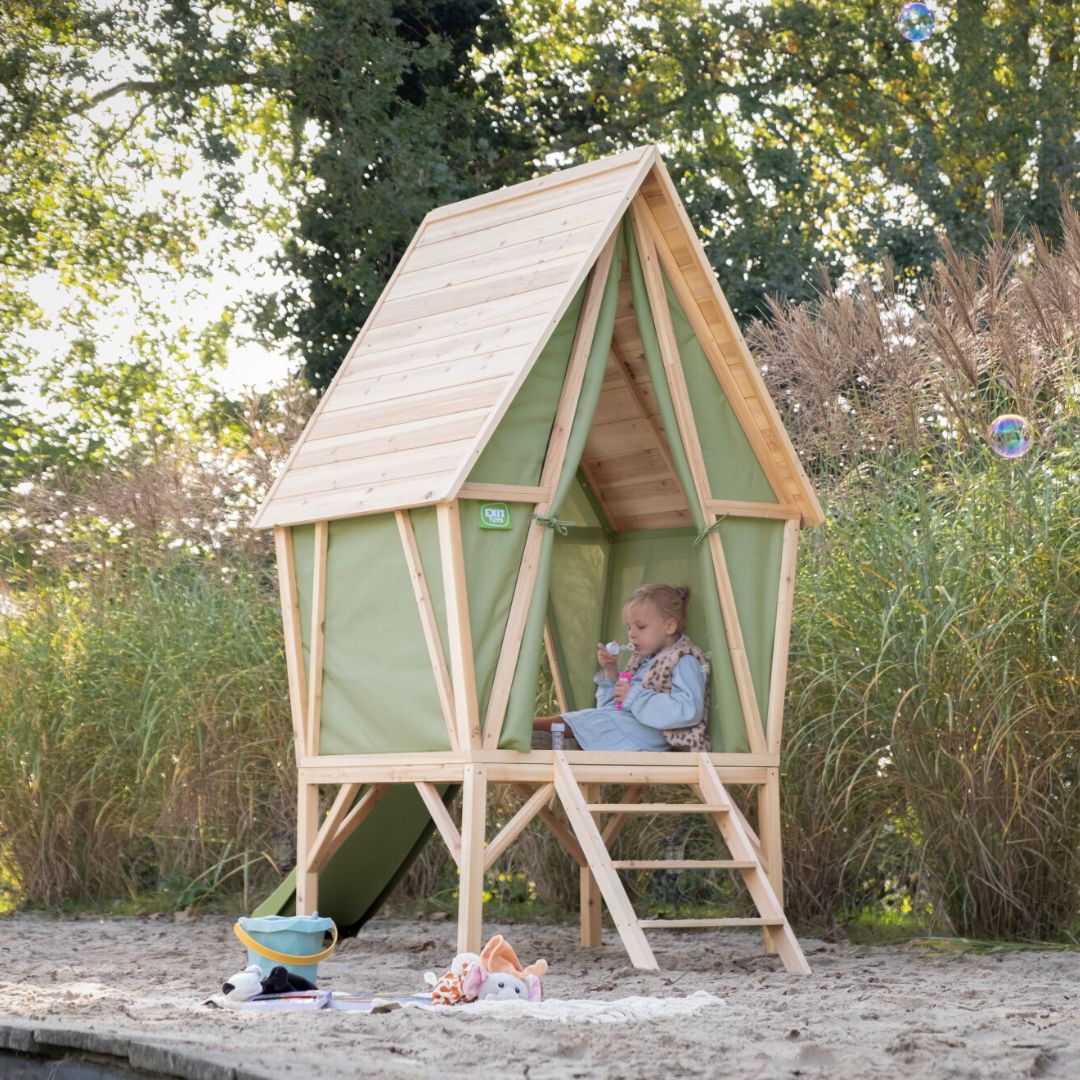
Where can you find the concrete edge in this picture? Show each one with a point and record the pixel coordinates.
(162, 1060)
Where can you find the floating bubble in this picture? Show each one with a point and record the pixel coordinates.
(614, 648)
(1009, 436)
(916, 21)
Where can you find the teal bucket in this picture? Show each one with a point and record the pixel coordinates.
(292, 941)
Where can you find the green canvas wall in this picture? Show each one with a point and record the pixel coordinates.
(379, 693)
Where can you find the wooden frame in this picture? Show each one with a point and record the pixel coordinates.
(427, 381)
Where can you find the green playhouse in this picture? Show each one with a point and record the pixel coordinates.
(549, 405)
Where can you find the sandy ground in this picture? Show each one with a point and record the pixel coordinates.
(865, 1011)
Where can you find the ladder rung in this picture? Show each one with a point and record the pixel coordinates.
(656, 808)
(683, 924)
(684, 864)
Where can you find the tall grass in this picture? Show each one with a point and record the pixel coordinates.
(145, 742)
(933, 730)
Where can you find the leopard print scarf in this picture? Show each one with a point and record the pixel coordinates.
(658, 678)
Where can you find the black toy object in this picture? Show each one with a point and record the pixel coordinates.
(250, 983)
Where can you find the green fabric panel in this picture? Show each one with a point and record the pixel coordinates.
(752, 548)
(379, 693)
(726, 728)
(515, 452)
(578, 598)
(732, 466)
(517, 727)
(578, 575)
(492, 562)
(517, 724)
(578, 507)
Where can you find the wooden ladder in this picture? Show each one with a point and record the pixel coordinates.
(734, 830)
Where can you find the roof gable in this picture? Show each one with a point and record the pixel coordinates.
(461, 323)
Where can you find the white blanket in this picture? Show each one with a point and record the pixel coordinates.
(618, 1011)
(561, 1010)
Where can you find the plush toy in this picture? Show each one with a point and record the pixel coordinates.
(496, 973)
(447, 989)
(481, 984)
(498, 955)
(250, 983)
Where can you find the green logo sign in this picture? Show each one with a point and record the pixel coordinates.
(494, 516)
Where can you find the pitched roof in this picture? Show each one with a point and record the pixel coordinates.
(459, 325)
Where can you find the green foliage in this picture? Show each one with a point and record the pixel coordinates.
(146, 743)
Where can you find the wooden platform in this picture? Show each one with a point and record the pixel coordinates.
(575, 779)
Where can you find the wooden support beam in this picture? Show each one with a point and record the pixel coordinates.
(769, 511)
(326, 850)
(669, 354)
(549, 478)
(617, 822)
(684, 415)
(698, 924)
(589, 894)
(504, 493)
(607, 878)
(740, 665)
(556, 672)
(771, 843)
(335, 815)
(471, 882)
(682, 864)
(307, 828)
(785, 602)
(757, 882)
(563, 836)
(775, 469)
(429, 624)
(316, 639)
(441, 816)
(466, 713)
(513, 828)
(294, 648)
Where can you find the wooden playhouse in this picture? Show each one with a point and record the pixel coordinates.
(549, 405)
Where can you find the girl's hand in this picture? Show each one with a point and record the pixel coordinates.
(622, 688)
(606, 661)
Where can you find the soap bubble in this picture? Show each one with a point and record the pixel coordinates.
(1009, 436)
(916, 21)
(614, 648)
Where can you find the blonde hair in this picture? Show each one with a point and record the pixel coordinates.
(672, 602)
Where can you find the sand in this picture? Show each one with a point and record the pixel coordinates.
(139, 986)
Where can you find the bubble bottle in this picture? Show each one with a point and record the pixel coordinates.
(614, 648)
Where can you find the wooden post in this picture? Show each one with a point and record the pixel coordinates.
(307, 828)
(556, 671)
(429, 624)
(607, 879)
(471, 882)
(591, 924)
(772, 855)
(785, 602)
(466, 713)
(294, 649)
(549, 478)
(680, 400)
(318, 619)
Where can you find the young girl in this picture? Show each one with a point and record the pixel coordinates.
(665, 703)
